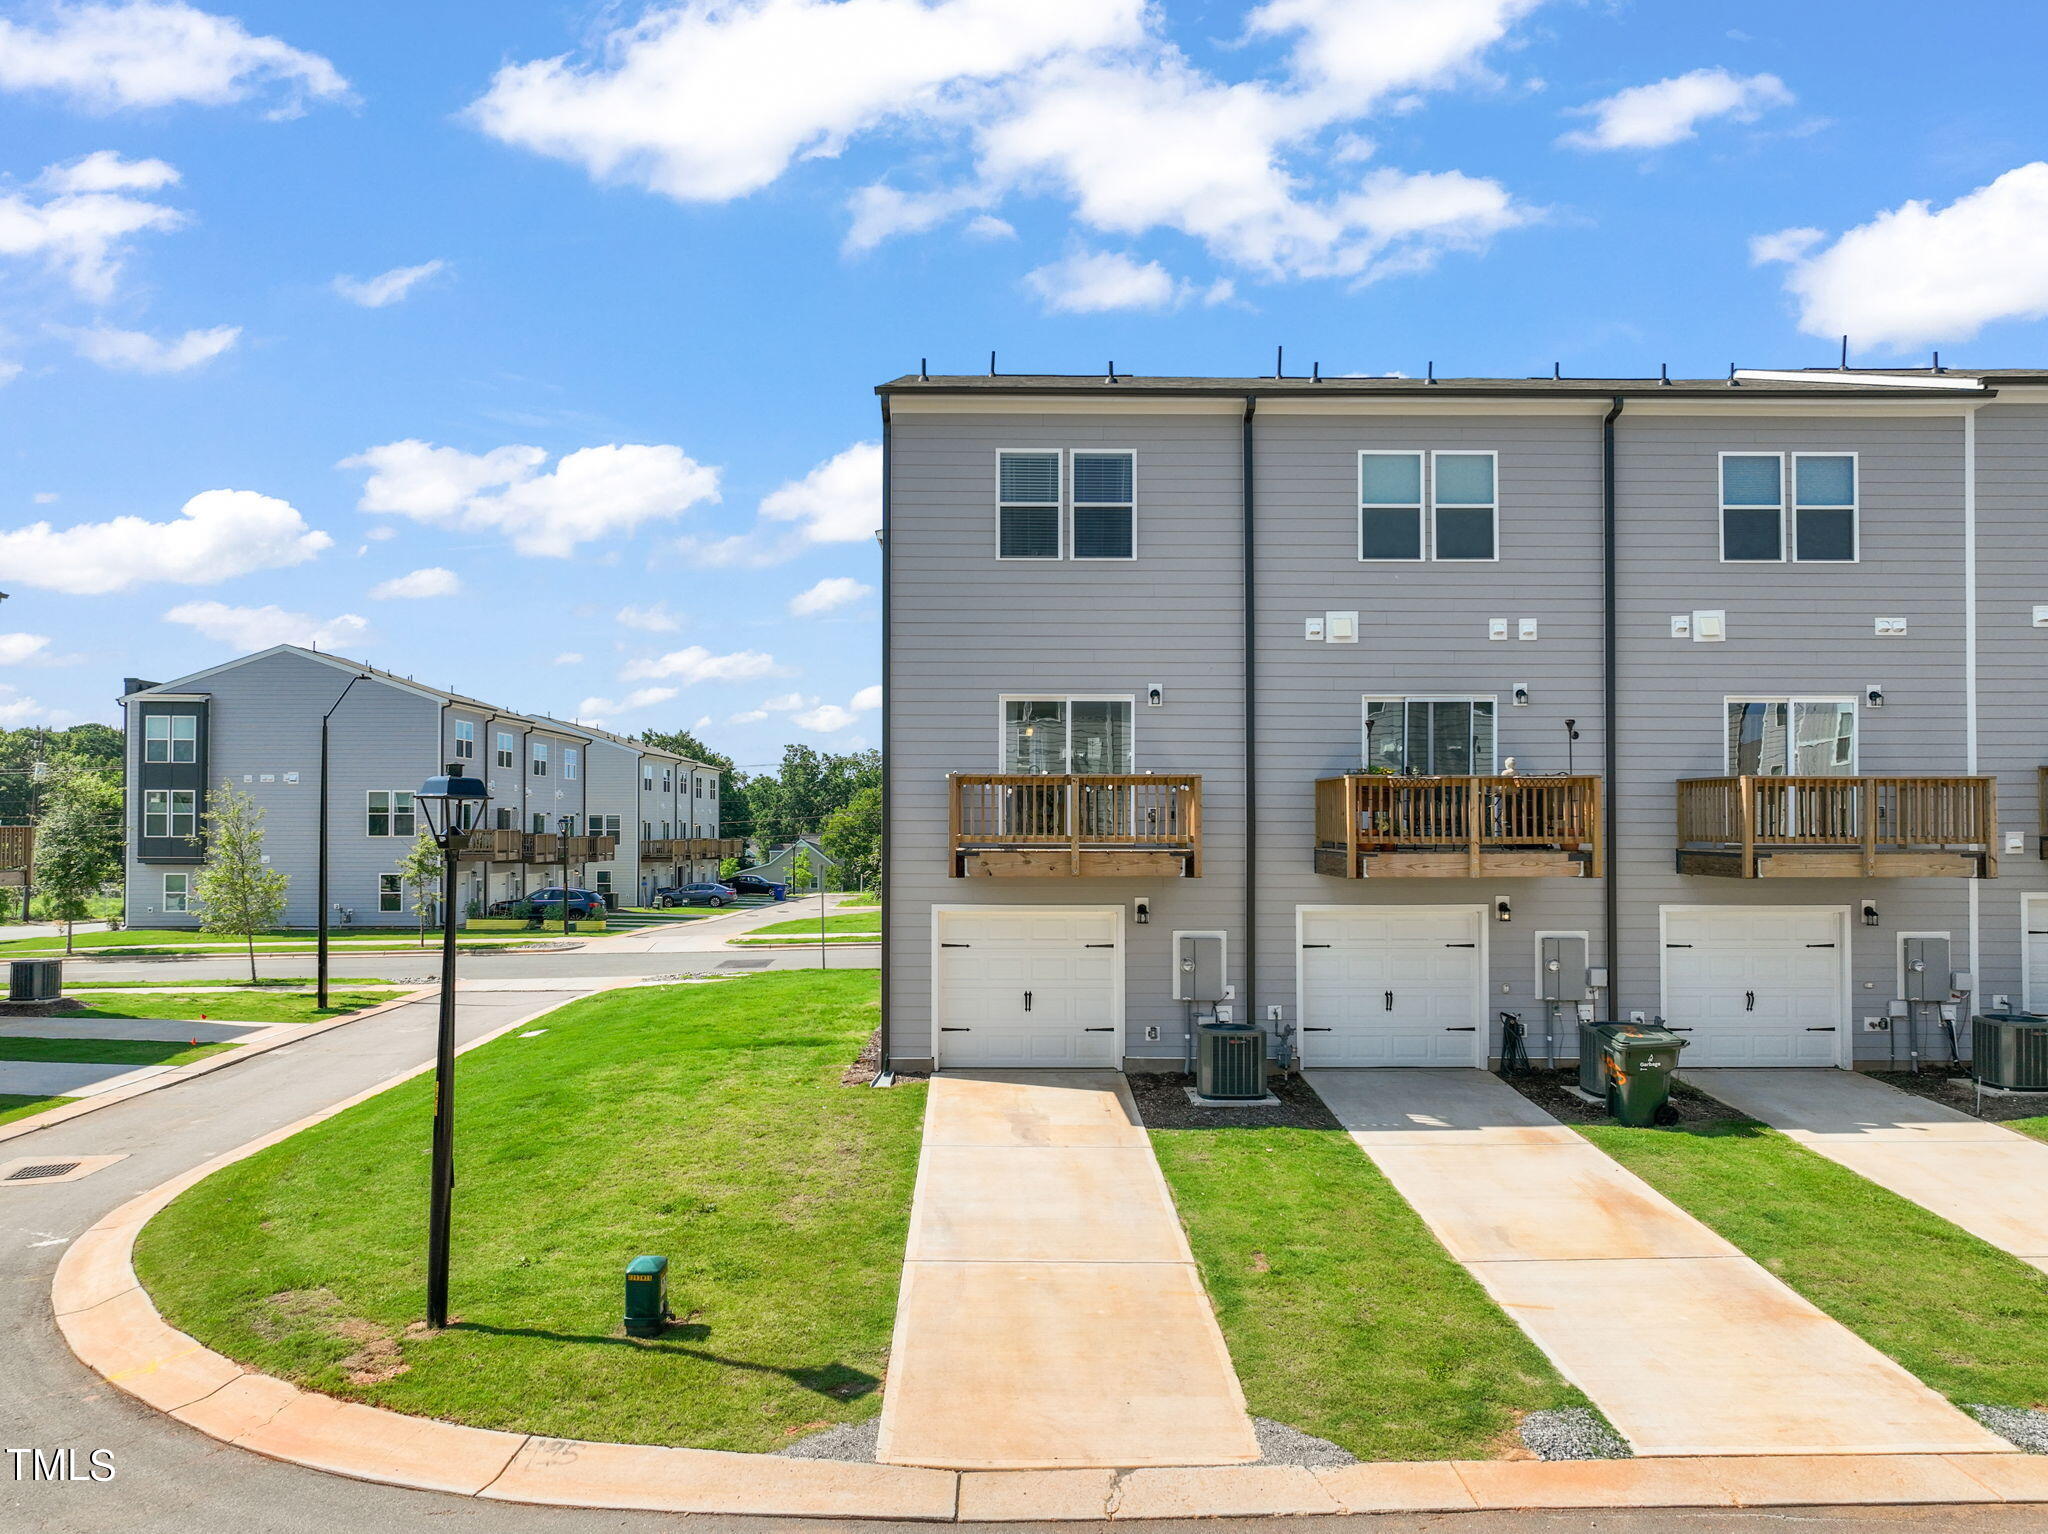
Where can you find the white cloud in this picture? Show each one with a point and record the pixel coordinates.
(433, 581)
(78, 230)
(988, 227)
(706, 102)
(1092, 282)
(639, 698)
(593, 493)
(867, 699)
(1669, 111)
(9, 371)
(258, 628)
(697, 664)
(154, 53)
(1364, 50)
(17, 708)
(786, 703)
(1784, 245)
(569, 658)
(1918, 274)
(218, 534)
(838, 501)
(134, 351)
(17, 648)
(825, 718)
(653, 619)
(388, 287)
(45, 497)
(833, 591)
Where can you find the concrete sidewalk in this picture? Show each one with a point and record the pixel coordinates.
(1688, 1346)
(1051, 1316)
(1988, 1179)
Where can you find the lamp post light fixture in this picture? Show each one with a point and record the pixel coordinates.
(452, 806)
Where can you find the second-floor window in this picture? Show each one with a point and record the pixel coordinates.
(170, 812)
(1092, 516)
(504, 820)
(540, 758)
(1815, 522)
(604, 825)
(570, 762)
(389, 812)
(1439, 505)
(1430, 737)
(1067, 735)
(506, 748)
(647, 830)
(540, 823)
(1799, 737)
(170, 737)
(465, 740)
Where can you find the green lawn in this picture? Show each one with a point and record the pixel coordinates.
(155, 940)
(247, 1006)
(14, 1106)
(1969, 1319)
(108, 1051)
(1344, 1316)
(266, 983)
(832, 940)
(2037, 1127)
(704, 1123)
(802, 928)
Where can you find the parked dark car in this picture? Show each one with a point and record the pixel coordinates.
(750, 884)
(695, 894)
(548, 902)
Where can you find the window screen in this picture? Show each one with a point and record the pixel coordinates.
(1104, 506)
(1463, 499)
(1029, 506)
(1390, 506)
(1752, 506)
(1824, 506)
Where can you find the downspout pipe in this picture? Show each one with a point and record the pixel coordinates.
(1610, 710)
(885, 1068)
(1251, 715)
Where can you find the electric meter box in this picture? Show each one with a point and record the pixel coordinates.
(1563, 969)
(1198, 966)
(1927, 973)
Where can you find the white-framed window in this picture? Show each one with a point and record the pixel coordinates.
(1431, 737)
(571, 762)
(668, 780)
(647, 777)
(1789, 506)
(714, 788)
(1438, 505)
(540, 823)
(697, 786)
(1065, 735)
(1028, 505)
(1054, 504)
(170, 812)
(647, 830)
(664, 831)
(389, 812)
(508, 748)
(1798, 737)
(540, 759)
(465, 740)
(177, 892)
(504, 820)
(170, 737)
(1105, 505)
(390, 893)
(603, 878)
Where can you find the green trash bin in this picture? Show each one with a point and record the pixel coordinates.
(647, 1311)
(1629, 1066)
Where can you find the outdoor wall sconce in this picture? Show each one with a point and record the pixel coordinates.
(1502, 909)
(1141, 912)
(1870, 913)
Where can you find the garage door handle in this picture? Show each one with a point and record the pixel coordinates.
(1315, 945)
(1027, 1001)
(1098, 945)
(1749, 1001)
(1821, 1030)
(1390, 1001)
(1098, 1030)
(956, 1030)
(1461, 1030)
(956, 945)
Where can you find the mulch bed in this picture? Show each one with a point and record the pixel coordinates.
(52, 1008)
(868, 1064)
(1162, 1099)
(1549, 1090)
(1945, 1086)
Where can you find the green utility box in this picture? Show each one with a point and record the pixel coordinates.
(647, 1296)
(1628, 1066)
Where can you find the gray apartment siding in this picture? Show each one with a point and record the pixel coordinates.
(968, 628)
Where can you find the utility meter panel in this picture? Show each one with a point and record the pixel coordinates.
(1564, 969)
(1927, 977)
(1198, 966)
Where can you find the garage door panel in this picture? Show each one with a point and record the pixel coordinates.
(990, 962)
(1352, 960)
(1758, 987)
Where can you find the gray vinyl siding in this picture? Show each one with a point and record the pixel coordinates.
(967, 628)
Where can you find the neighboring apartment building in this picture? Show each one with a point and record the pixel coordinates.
(638, 817)
(1739, 681)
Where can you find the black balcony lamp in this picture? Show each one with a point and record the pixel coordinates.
(452, 806)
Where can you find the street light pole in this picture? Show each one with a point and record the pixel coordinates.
(320, 938)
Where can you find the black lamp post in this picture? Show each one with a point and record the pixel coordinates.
(320, 899)
(452, 806)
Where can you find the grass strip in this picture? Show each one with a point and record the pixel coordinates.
(1969, 1319)
(860, 922)
(286, 983)
(107, 1051)
(1345, 1317)
(13, 1105)
(705, 1123)
(832, 940)
(253, 1006)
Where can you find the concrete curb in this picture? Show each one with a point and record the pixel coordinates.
(111, 1325)
(221, 1061)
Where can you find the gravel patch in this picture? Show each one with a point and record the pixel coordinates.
(2027, 1429)
(850, 1441)
(1573, 1432)
(1280, 1444)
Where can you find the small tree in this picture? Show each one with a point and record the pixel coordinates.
(800, 869)
(78, 845)
(420, 870)
(727, 867)
(238, 893)
(853, 836)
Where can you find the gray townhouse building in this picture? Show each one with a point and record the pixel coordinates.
(1406, 689)
(637, 818)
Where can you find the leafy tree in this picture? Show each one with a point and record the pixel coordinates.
(727, 867)
(420, 871)
(800, 870)
(82, 748)
(808, 786)
(853, 837)
(78, 843)
(237, 892)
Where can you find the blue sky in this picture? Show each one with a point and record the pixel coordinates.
(668, 250)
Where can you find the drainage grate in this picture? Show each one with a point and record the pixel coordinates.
(42, 1169)
(746, 963)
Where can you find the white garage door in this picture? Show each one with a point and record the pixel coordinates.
(1755, 986)
(2034, 924)
(1391, 986)
(1029, 987)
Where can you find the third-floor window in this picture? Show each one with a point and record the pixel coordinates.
(170, 737)
(1055, 505)
(465, 739)
(1796, 506)
(540, 759)
(1416, 505)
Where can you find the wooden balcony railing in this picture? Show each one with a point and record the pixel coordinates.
(1838, 828)
(593, 849)
(17, 854)
(494, 847)
(678, 849)
(1378, 826)
(1097, 825)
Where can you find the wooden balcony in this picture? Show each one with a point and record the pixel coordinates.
(707, 847)
(494, 847)
(593, 849)
(661, 849)
(1378, 826)
(1838, 828)
(17, 854)
(1096, 825)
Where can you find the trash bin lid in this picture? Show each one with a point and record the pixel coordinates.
(648, 1265)
(1634, 1037)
